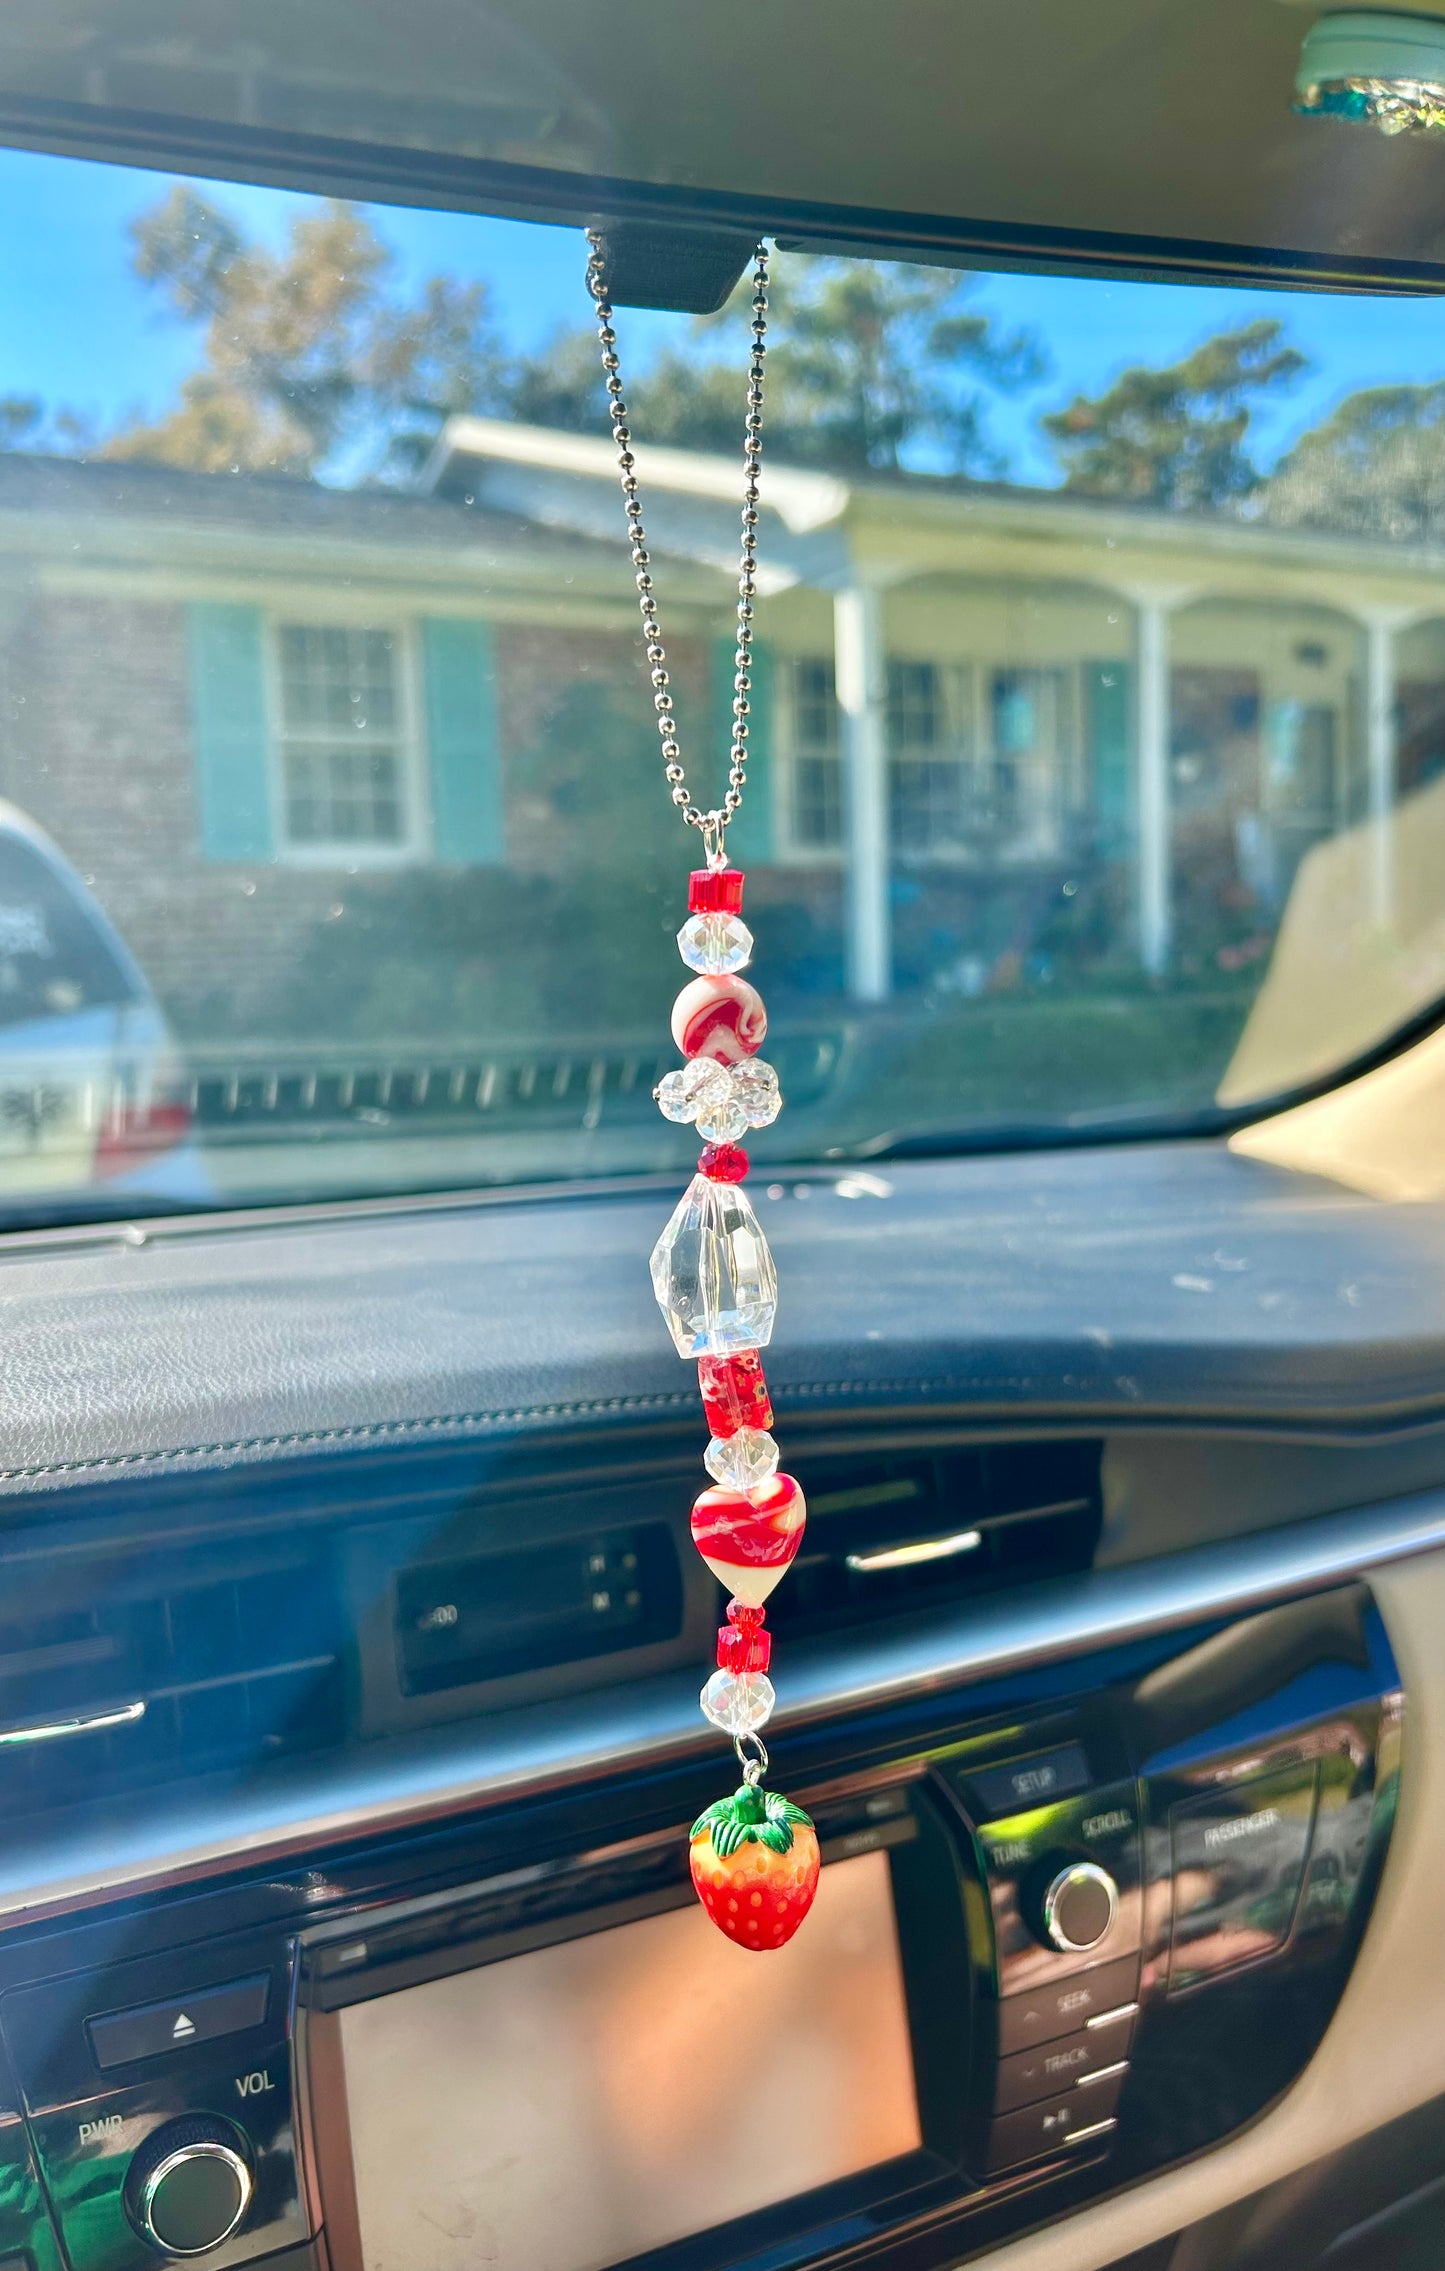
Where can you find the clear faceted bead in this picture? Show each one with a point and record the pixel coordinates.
(742, 1460)
(738, 1702)
(680, 1095)
(715, 944)
(755, 1090)
(721, 1116)
(713, 1274)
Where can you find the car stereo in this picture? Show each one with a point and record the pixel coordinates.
(1057, 1941)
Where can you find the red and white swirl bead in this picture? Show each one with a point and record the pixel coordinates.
(719, 1017)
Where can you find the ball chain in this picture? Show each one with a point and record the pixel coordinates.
(713, 823)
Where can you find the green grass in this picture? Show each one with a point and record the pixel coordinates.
(1011, 1060)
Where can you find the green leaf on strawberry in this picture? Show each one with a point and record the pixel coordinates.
(751, 1816)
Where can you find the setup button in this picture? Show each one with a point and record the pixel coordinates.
(1038, 1781)
(118, 2038)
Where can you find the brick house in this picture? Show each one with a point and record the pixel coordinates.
(331, 756)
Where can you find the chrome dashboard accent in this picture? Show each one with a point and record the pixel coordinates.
(89, 1723)
(910, 1556)
(219, 1824)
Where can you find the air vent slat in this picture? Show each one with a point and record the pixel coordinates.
(898, 1532)
(231, 1670)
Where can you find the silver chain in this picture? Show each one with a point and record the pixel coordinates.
(713, 823)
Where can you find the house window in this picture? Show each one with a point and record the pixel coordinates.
(343, 746)
(1021, 787)
(927, 727)
(815, 811)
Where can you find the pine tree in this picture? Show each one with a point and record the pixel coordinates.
(309, 356)
(1376, 467)
(1175, 437)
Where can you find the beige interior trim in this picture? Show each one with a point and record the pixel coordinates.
(1379, 1134)
(1385, 2052)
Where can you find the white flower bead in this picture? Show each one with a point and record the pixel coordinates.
(680, 1095)
(721, 1118)
(755, 1089)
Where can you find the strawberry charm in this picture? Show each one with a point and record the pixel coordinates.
(754, 1862)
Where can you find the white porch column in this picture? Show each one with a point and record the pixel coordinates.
(1155, 829)
(1153, 604)
(1381, 626)
(860, 672)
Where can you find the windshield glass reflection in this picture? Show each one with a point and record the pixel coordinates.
(337, 856)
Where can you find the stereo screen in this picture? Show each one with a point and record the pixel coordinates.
(562, 2110)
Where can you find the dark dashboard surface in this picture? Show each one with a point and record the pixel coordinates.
(1162, 1284)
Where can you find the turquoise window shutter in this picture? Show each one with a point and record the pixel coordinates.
(463, 742)
(1108, 708)
(750, 838)
(229, 728)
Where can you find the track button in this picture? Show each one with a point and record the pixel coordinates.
(1042, 2073)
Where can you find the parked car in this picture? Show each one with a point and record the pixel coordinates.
(91, 1088)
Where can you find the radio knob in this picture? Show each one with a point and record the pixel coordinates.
(1079, 1907)
(189, 2185)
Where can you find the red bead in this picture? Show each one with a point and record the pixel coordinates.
(715, 891)
(750, 1615)
(742, 1643)
(734, 1392)
(723, 1163)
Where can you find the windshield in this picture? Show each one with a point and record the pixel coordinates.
(1097, 772)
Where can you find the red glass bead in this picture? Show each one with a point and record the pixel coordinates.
(723, 1163)
(715, 891)
(751, 1615)
(734, 1392)
(742, 1643)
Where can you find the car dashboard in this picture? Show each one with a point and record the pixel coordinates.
(349, 1662)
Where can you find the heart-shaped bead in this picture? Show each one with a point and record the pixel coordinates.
(748, 1539)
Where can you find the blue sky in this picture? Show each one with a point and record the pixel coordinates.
(76, 328)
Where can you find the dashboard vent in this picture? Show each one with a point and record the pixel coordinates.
(135, 1686)
(525, 1608)
(895, 1533)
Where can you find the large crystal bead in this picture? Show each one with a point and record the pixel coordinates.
(743, 1459)
(682, 1094)
(755, 1090)
(713, 1274)
(738, 1702)
(715, 944)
